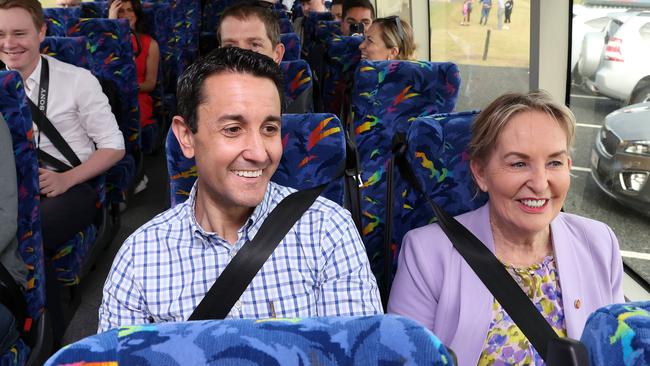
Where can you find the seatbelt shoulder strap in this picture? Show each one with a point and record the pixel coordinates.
(239, 273)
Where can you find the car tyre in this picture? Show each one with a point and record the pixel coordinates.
(641, 93)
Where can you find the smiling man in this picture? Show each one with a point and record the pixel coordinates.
(229, 122)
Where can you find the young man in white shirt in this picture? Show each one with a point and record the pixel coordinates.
(74, 103)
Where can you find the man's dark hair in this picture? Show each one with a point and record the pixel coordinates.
(247, 9)
(338, 2)
(190, 92)
(349, 4)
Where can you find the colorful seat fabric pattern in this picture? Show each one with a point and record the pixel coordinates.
(291, 43)
(298, 87)
(437, 152)
(111, 56)
(343, 56)
(617, 335)
(74, 50)
(15, 111)
(94, 9)
(372, 340)
(326, 29)
(309, 30)
(58, 20)
(387, 96)
(314, 151)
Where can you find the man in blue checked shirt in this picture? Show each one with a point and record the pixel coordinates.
(229, 106)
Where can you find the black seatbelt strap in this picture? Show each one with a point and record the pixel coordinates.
(239, 273)
(484, 263)
(45, 126)
(353, 181)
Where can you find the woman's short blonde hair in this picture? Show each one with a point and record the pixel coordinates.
(391, 36)
(492, 120)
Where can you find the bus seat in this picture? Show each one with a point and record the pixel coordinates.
(286, 26)
(618, 334)
(291, 43)
(298, 87)
(326, 29)
(369, 340)
(343, 56)
(317, 57)
(280, 13)
(111, 54)
(77, 254)
(437, 153)
(314, 149)
(59, 19)
(15, 111)
(387, 96)
(94, 9)
(309, 26)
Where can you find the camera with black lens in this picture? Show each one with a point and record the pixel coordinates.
(356, 29)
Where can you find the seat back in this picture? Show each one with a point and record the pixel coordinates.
(285, 26)
(73, 50)
(387, 96)
(309, 26)
(313, 154)
(59, 19)
(370, 340)
(94, 9)
(343, 56)
(618, 334)
(291, 43)
(298, 86)
(438, 154)
(326, 29)
(15, 111)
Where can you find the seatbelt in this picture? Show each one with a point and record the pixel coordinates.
(45, 126)
(239, 273)
(353, 181)
(485, 264)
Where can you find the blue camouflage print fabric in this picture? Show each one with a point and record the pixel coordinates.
(298, 87)
(58, 20)
(370, 340)
(343, 56)
(15, 111)
(438, 154)
(618, 335)
(387, 96)
(309, 26)
(291, 43)
(313, 154)
(111, 54)
(71, 255)
(326, 29)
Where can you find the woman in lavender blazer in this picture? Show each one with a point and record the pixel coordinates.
(568, 265)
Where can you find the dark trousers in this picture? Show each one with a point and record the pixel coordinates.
(61, 218)
(508, 12)
(65, 215)
(8, 332)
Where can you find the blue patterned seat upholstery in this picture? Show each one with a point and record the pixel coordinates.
(298, 86)
(326, 29)
(70, 258)
(291, 43)
(59, 19)
(286, 26)
(94, 9)
(343, 56)
(111, 55)
(618, 335)
(314, 151)
(371, 340)
(309, 26)
(15, 111)
(387, 96)
(437, 152)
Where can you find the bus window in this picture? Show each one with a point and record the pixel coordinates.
(490, 42)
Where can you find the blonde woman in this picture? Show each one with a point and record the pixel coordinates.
(388, 38)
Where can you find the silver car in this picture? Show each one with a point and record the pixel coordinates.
(620, 68)
(620, 159)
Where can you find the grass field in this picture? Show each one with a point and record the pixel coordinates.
(451, 41)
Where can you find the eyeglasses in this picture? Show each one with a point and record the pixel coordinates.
(398, 24)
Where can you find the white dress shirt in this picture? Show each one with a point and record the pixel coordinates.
(78, 109)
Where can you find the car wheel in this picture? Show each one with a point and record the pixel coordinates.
(590, 54)
(641, 93)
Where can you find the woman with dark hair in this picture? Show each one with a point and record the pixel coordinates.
(145, 48)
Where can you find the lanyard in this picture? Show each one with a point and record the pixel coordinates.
(43, 90)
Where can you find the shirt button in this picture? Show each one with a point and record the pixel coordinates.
(577, 304)
(238, 305)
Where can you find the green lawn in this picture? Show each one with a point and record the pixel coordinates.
(451, 41)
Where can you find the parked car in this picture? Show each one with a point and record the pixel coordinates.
(620, 158)
(615, 61)
(586, 19)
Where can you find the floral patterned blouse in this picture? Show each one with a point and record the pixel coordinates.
(505, 343)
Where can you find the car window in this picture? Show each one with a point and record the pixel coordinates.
(598, 23)
(611, 28)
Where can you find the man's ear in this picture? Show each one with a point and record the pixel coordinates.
(478, 171)
(278, 53)
(42, 32)
(184, 136)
